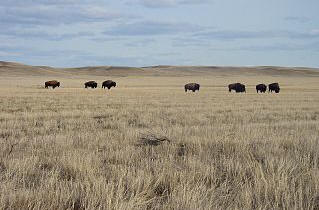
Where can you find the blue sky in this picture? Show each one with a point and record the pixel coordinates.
(67, 33)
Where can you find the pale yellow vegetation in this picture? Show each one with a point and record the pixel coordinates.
(76, 148)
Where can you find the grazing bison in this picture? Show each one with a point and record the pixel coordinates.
(52, 83)
(192, 86)
(237, 87)
(261, 88)
(91, 84)
(108, 84)
(274, 87)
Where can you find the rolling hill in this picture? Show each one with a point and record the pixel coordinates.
(17, 69)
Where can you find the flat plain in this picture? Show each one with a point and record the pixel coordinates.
(77, 148)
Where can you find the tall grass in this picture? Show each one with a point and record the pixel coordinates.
(76, 148)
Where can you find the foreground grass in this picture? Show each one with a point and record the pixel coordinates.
(72, 148)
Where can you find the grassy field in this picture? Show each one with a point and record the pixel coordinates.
(76, 148)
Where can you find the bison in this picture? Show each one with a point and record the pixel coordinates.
(91, 84)
(237, 87)
(108, 84)
(261, 88)
(192, 86)
(52, 83)
(274, 87)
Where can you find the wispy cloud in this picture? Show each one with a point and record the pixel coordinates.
(281, 47)
(167, 3)
(38, 34)
(190, 41)
(297, 19)
(44, 31)
(242, 34)
(46, 2)
(34, 19)
(150, 28)
(274, 47)
(140, 43)
(48, 15)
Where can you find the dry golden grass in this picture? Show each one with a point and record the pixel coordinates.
(76, 148)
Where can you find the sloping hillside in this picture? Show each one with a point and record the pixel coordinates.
(16, 69)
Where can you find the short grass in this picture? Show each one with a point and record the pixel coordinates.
(76, 148)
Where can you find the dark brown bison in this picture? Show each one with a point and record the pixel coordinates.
(237, 87)
(261, 88)
(91, 84)
(192, 86)
(274, 87)
(108, 84)
(52, 83)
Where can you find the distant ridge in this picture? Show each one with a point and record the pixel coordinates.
(18, 69)
(158, 66)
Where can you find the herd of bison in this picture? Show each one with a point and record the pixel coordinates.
(237, 87)
(92, 84)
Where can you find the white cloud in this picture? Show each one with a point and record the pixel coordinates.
(298, 19)
(256, 34)
(168, 3)
(8, 54)
(26, 33)
(151, 28)
(55, 15)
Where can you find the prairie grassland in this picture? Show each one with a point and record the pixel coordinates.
(76, 148)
